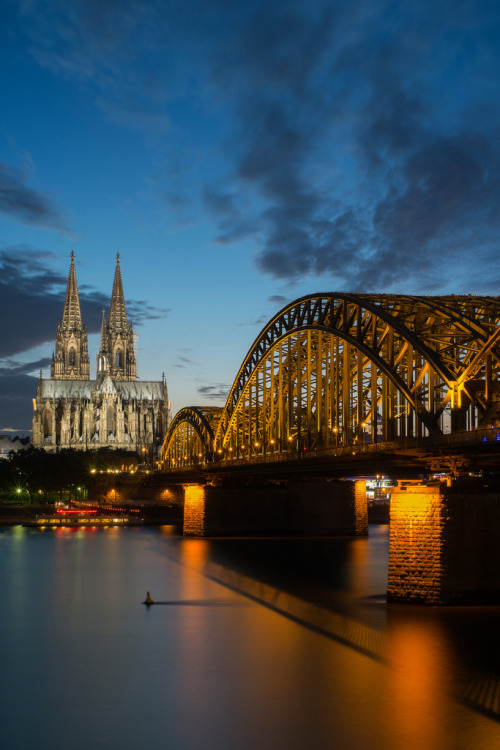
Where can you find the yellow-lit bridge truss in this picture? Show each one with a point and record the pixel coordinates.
(341, 369)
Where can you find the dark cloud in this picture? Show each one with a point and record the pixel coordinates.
(139, 311)
(26, 204)
(32, 299)
(182, 362)
(278, 300)
(360, 140)
(219, 203)
(256, 322)
(17, 390)
(12, 367)
(16, 396)
(106, 47)
(363, 147)
(217, 392)
(235, 221)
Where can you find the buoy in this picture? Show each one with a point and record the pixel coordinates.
(148, 598)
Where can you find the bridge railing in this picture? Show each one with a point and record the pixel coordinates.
(454, 440)
(428, 443)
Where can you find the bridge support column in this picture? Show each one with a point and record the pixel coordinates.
(296, 508)
(442, 545)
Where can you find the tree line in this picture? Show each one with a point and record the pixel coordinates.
(35, 475)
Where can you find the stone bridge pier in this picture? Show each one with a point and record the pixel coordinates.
(444, 544)
(309, 508)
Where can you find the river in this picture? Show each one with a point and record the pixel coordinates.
(256, 644)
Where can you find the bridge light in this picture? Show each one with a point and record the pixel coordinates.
(272, 442)
(256, 445)
(220, 450)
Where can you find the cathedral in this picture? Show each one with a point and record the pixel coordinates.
(115, 410)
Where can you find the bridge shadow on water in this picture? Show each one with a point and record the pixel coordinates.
(336, 587)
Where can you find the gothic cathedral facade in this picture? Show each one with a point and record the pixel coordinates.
(115, 410)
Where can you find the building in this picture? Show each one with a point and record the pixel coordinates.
(115, 410)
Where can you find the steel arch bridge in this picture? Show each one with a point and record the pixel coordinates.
(339, 369)
(190, 436)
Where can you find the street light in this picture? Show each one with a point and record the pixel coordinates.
(336, 433)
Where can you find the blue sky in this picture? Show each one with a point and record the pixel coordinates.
(237, 156)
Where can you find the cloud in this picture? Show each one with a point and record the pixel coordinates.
(139, 311)
(17, 389)
(14, 368)
(256, 322)
(216, 392)
(183, 361)
(278, 300)
(359, 141)
(356, 130)
(18, 201)
(106, 48)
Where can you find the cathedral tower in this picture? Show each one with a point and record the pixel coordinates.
(71, 358)
(113, 411)
(116, 353)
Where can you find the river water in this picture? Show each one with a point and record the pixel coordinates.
(256, 644)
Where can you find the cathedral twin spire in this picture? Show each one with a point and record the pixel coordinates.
(72, 319)
(71, 358)
(116, 352)
(117, 311)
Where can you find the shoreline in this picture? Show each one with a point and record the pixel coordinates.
(151, 515)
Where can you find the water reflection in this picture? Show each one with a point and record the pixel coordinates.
(420, 679)
(416, 643)
(269, 644)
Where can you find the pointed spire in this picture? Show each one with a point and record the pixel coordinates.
(104, 343)
(117, 311)
(102, 357)
(72, 318)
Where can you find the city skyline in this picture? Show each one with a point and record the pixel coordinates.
(237, 158)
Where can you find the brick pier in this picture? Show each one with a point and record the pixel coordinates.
(444, 545)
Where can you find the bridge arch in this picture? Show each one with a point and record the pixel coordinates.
(334, 369)
(353, 368)
(190, 437)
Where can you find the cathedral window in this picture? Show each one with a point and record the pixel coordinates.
(47, 425)
(119, 358)
(110, 421)
(71, 357)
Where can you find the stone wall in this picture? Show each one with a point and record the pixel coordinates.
(415, 544)
(135, 487)
(444, 545)
(295, 508)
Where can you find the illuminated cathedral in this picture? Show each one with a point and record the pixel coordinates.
(115, 410)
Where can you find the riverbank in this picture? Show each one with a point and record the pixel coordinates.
(152, 515)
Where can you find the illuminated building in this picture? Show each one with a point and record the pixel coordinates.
(115, 410)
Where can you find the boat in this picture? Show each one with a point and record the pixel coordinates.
(82, 518)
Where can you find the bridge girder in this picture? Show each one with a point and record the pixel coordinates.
(338, 368)
(190, 437)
